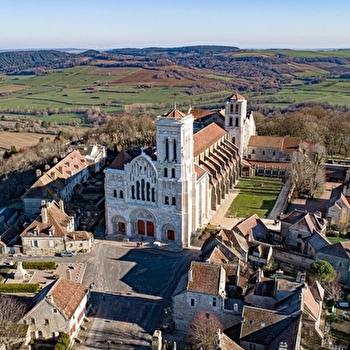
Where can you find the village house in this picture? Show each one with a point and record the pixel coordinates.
(53, 232)
(338, 210)
(204, 289)
(56, 183)
(338, 255)
(282, 311)
(305, 231)
(60, 307)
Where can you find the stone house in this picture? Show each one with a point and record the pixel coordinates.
(338, 211)
(253, 229)
(280, 311)
(52, 232)
(338, 255)
(58, 308)
(56, 183)
(203, 289)
(233, 245)
(297, 228)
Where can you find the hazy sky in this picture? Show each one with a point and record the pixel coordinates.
(102, 24)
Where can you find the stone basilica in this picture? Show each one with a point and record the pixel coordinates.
(170, 194)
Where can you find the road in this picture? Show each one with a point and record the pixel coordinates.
(132, 286)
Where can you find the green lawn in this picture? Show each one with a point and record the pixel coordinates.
(257, 196)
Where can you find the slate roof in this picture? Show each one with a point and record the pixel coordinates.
(9, 235)
(204, 278)
(317, 241)
(340, 249)
(268, 328)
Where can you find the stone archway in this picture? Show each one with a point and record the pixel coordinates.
(119, 225)
(169, 233)
(143, 223)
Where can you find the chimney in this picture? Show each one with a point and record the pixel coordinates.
(61, 205)
(279, 274)
(44, 218)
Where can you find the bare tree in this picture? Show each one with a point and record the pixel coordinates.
(203, 330)
(11, 311)
(307, 171)
(333, 290)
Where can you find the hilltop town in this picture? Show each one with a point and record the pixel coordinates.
(144, 255)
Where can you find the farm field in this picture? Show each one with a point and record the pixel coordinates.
(257, 196)
(20, 139)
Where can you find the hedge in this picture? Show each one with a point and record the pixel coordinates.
(38, 265)
(19, 288)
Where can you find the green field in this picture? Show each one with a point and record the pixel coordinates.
(257, 196)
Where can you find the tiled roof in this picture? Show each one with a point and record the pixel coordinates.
(201, 113)
(207, 137)
(67, 296)
(175, 114)
(267, 165)
(311, 306)
(57, 220)
(55, 178)
(253, 228)
(340, 249)
(304, 220)
(237, 97)
(119, 162)
(204, 278)
(285, 144)
(199, 171)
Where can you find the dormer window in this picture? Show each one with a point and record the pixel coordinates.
(51, 232)
(36, 232)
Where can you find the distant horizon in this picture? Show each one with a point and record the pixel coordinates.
(77, 49)
(252, 24)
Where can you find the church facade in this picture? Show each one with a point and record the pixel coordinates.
(170, 194)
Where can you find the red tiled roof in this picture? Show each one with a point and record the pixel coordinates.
(204, 278)
(237, 97)
(175, 113)
(206, 137)
(199, 171)
(67, 296)
(119, 162)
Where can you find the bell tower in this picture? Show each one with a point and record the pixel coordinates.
(175, 165)
(238, 124)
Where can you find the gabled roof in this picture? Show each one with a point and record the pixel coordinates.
(285, 144)
(317, 241)
(207, 137)
(340, 249)
(204, 278)
(50, 218)
(50, 183)
(313, 295)
(253, 229)
(63, 295)
(268, 328)
(119, 162)
(305, 221)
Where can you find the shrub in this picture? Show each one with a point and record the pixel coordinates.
(38, 265)
(63, 342)
(19, 288)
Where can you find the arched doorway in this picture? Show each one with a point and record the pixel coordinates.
(119, 225)
(169, 233)
(143, 222)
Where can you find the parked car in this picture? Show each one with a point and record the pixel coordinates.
(68, 253)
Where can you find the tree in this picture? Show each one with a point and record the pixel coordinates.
(11, 311)
(322, 271)
(306, 170)
(63, 342)
(203, 330)
(333, 291)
